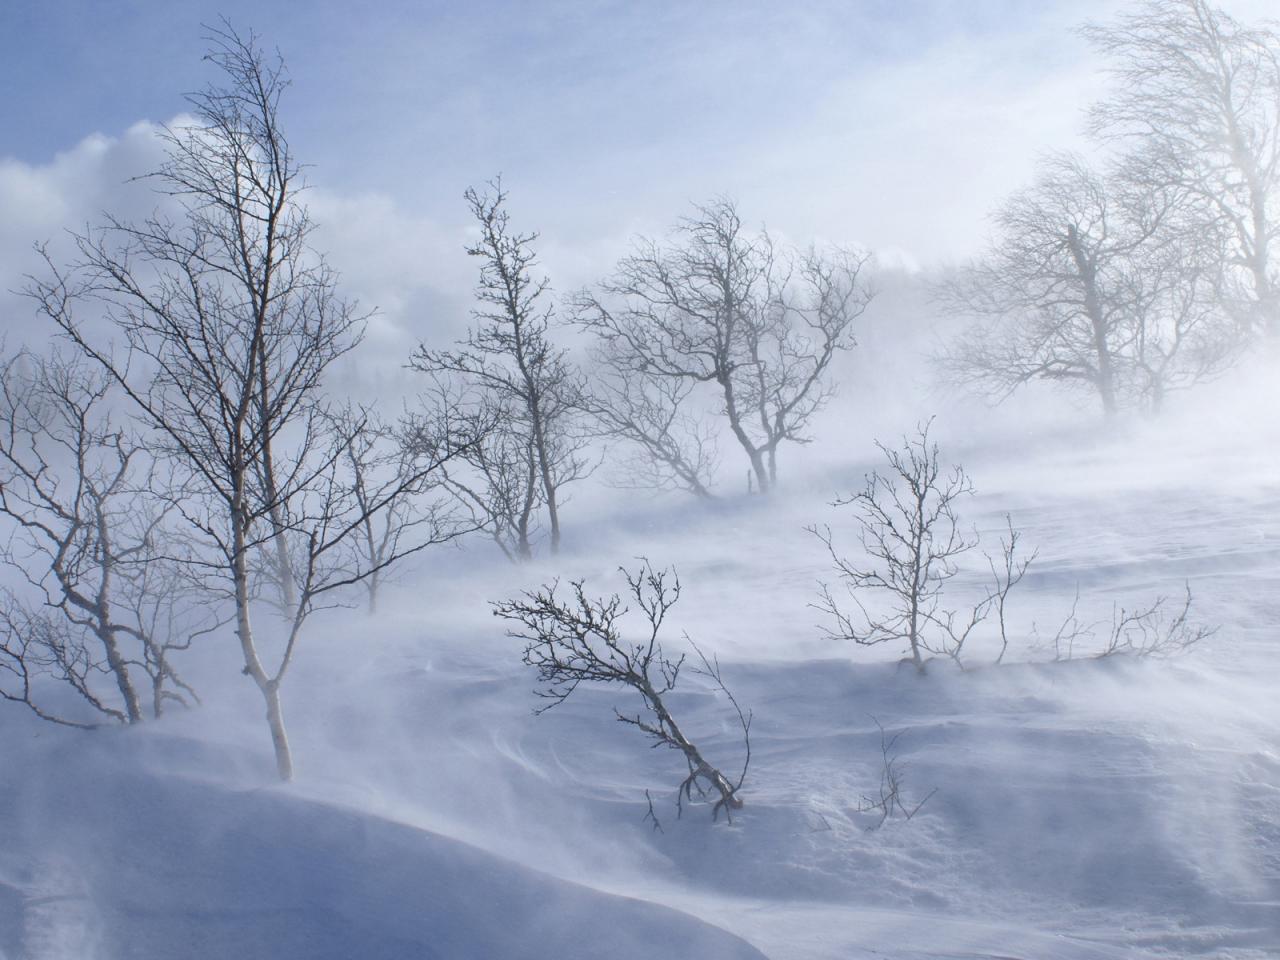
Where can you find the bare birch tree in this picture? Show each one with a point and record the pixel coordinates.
(671, 447)
(391, 494)
(101, 613)
(1179, 335)
(1197, 96)
(1159, 629)
(524, 382)
(1094, 282)
(720, 306)
(1047, 290)
(495, 479)
(230, 320)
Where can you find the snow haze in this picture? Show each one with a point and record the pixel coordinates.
(1069, 786)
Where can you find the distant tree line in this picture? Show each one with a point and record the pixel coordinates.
(1156, 268)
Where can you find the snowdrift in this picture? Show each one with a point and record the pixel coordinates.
(115, 861)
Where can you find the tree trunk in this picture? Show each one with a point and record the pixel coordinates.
(102, 614)
(118, 667)
(698, 767)
(284, 566)
(279, 736)
(1105, 380)
(524, 549)
(1259, 263)
(916, 562)
(544, 470)
(370, 541)
(269, 688)
(1268, 299)
(758, 466)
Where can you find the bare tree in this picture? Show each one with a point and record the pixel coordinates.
(722, 307)
(1006, 574)
(1197, 95)
(1179, 333)
(1069, 631)
(889, 800)
(673, 448)
(90, 541)
(510, 359)
(1047, 290)
(912, 536)
(495, 478)
(230, 320)
(1095, 281)
(1163, 628)
(393, 497)
(579, 640)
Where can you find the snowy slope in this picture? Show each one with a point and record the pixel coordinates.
(115, 861)
(1091, 809)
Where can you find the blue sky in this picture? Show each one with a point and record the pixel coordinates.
(410, 97)
(893, 126)
(84, 65)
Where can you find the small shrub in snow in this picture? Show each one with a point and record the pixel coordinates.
(912, 538)
(1161, 629)
(576, 639)
(890, 800)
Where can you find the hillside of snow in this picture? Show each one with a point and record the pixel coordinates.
(1115, 808)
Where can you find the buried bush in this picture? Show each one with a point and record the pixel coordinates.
(575, 639)
(1163, 628)
(889, 801)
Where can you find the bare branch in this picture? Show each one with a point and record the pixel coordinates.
(892, 778)
(522, 388)
(717, 306)
(575, 640)
(910, 531)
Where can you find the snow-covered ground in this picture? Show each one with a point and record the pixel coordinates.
(1087, 809)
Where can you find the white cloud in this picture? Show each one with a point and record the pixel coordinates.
(43, 202)
(413, 270)
(893, 133)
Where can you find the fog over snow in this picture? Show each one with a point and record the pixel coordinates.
(1064, 747)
